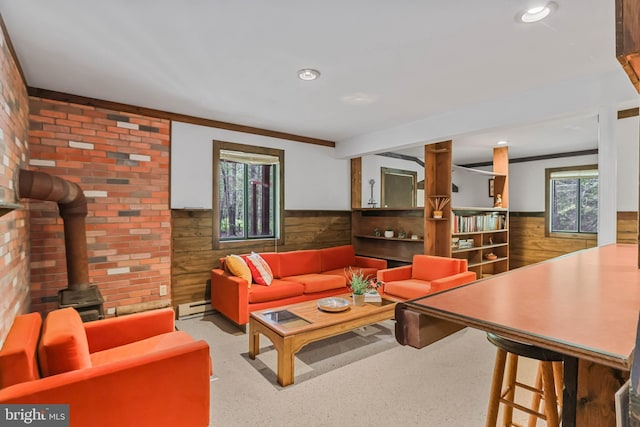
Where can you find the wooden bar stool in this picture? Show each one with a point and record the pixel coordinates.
(546, 388)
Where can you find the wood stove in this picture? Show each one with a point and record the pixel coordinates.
(81, 295)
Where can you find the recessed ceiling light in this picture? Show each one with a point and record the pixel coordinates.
(537, 13)
(503, 142)
(308, 74)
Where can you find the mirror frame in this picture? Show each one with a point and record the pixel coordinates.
(384, 172)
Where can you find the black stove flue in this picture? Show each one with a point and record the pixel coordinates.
(72, 205)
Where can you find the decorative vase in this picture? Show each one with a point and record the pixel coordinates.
(437, 214)
(358, 299)
(388, 233)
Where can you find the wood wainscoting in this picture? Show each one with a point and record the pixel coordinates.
(192, 256)
(528, 243)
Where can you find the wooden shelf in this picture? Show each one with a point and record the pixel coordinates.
(415, 209)
(486, 262)
(502, 230)
(475, 248)
(364, 236)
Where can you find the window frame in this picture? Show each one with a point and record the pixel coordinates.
(279, 211)
(547, 204)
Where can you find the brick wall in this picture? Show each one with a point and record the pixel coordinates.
(121, 161)
(14, 151)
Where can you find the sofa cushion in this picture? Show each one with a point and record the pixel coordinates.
(337, 258)
(63, 345)
(18, 359)
(429, 268)
(140, 348)
(237, 266)
(318, 282)
(299, 262)
(279, 289)
(260, 270)
(408, 289)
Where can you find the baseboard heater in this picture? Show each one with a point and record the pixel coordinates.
(196, 308)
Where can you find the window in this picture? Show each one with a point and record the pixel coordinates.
(247, 192)
(572, 200)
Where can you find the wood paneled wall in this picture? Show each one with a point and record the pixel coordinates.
(193, 257)
(528, 243)
(627, 227)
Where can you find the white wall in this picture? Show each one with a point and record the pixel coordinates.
(473, 188)
(314, 177)
(526, 180)
(627, 137)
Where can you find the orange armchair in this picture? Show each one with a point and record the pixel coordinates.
(428, 274)
(125, 371)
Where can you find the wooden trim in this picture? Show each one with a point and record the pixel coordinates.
(536, 158)
(110, 105)
(527, 214)
(631, 112)
(314, 213)
(7, 40)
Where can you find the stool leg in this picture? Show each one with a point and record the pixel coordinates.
(535, 400)
(512, 370)
(496, 388)
(550, 399)
(558, 380)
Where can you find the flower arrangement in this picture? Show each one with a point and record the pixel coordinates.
(360, 283)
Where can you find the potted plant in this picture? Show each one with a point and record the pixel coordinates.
(359, 284)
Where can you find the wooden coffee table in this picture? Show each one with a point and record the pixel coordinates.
(293, 326)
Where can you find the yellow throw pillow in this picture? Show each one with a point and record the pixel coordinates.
(238, 267)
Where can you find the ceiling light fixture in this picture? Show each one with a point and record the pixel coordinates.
(308, 74)
(501, 143)
(537, 13)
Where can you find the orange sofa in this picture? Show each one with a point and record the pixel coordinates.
(298, 276)
(428, 274)
(124, 371)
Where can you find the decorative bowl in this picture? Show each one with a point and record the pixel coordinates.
(490, 257)
(333, 304)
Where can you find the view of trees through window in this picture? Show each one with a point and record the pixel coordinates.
(574, 202)
(247, 200)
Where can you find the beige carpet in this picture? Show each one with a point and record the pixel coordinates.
(362, 378)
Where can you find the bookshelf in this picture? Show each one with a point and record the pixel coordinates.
(481, 236)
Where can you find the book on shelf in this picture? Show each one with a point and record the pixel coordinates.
(480, 222)
(372, 296)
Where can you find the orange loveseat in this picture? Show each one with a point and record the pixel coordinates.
(297, 276)
(428, 274)
(133, 370)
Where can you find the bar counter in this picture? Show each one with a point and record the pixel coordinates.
(584, 305)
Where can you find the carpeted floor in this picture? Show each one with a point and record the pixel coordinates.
(360, 378)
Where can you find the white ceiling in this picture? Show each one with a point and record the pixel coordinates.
(236, 61)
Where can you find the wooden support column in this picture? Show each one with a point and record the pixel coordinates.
(356, 183)
(628, 53)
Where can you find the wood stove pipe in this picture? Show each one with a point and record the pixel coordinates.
(73, 210)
